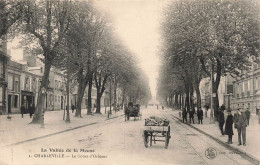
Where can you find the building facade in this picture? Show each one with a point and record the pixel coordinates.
(247, 89)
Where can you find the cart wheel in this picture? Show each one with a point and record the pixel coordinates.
(167, 139)
(146, 139)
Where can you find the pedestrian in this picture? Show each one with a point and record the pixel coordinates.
(221, 120)
(206, 108)
(247, 112)
(31, 110)
(184, 115)
(200, 115)
(162, 107)
(191, 115)
(229, 127)
(157, 106)
(240, 121)
(22, 108)
(72, 108)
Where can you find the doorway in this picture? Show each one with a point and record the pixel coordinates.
(9, 103)
(61, 100)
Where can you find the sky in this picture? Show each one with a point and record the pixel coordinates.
(137, 23)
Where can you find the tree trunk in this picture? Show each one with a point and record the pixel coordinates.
(81, 90)
(39, 110)
(198, 96)
(215, 89)
(68, 98)
(89, 95)
(176, 104)
(115, 97)
(98, 103)
(110, 97)
(191, 99)
(123, 99)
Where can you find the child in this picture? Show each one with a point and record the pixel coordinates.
(229, 127)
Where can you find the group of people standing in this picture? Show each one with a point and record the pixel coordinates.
(191, 115)
(241, 121)
(31, 110)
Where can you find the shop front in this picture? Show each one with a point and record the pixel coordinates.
(3, 84)
(27, 99)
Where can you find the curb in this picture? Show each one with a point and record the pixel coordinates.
(52, 134)
(114, 117)
(245, 155)
(56, 133)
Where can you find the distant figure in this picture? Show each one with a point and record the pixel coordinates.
(229, 127)
(163, 107)
(72, 108)
(31, 110)
(240, 121)
(247, 112)
(22, 110)
(157, 106)
(200, 115)
(184, 115)
(206, 108)
(191, 115)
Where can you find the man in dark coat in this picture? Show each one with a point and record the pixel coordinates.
(240, 121)
(221, 120)
(191, 116)
(200, 115)
(22, 110)
(72, 108)
(31, 110)
(247, 112)
(229, 127)
(184, 115)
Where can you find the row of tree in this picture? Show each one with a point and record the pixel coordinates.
(205, 38)
(77, 38)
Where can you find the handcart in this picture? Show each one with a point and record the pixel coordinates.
(151, 133)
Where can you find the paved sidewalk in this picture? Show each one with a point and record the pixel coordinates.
(252, 133)
(18, 129)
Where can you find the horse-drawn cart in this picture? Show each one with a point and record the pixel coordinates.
(132, 111)
(151, 133)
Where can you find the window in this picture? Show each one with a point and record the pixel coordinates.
(55, 98)
(34, 85)
(258, 82)
(56, 84)
(27, 84)
(10, 81)
(249, 85)
(16, 84)
(39, 84)
(58, 98)
(1, 68)
(16, 101)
